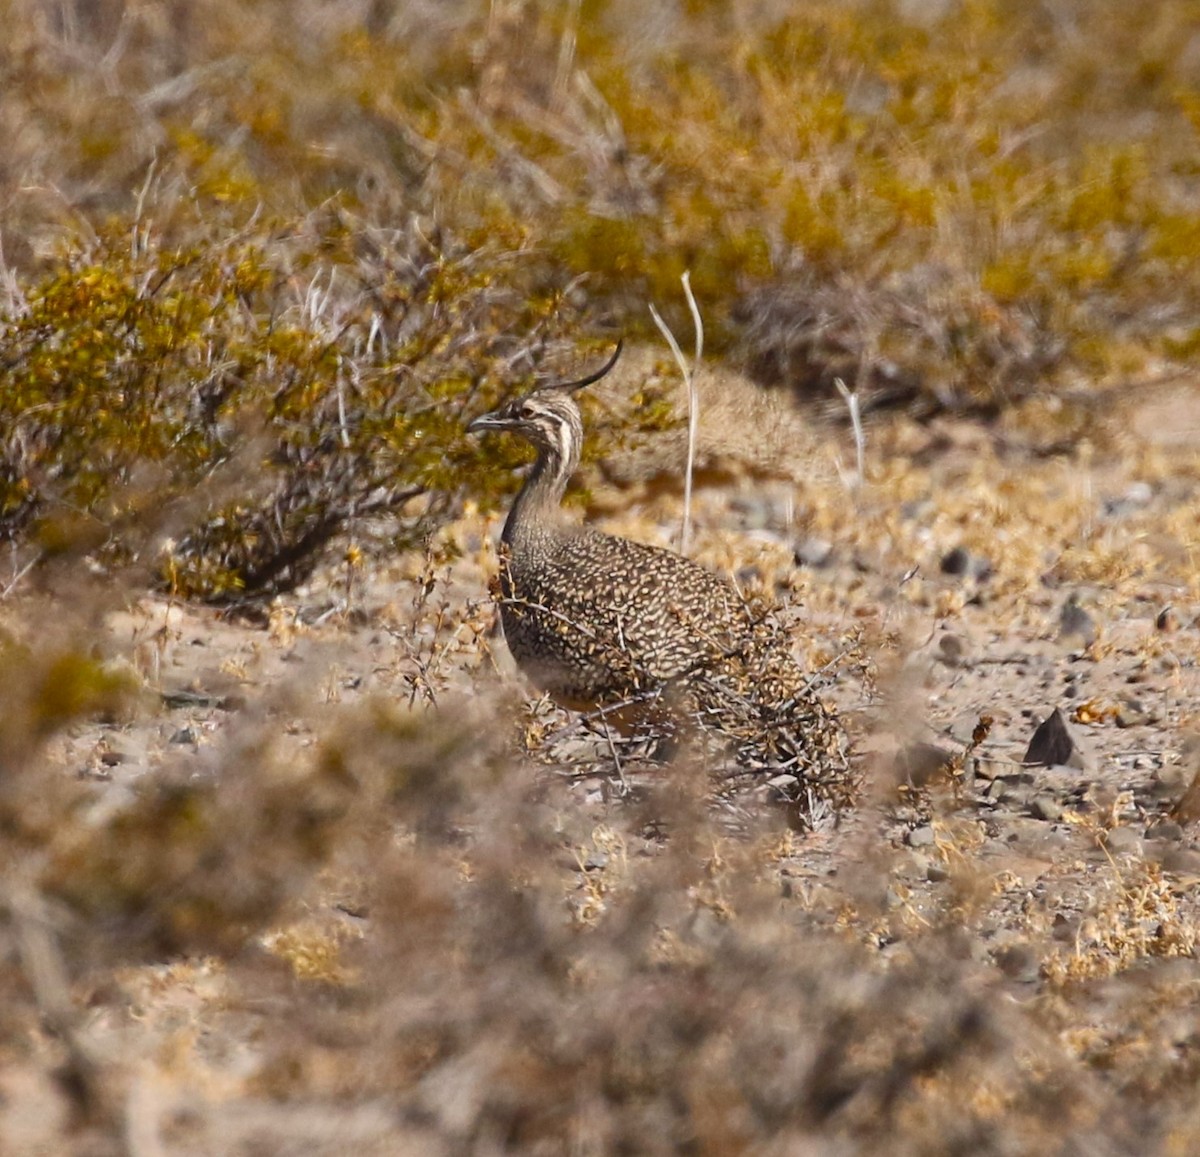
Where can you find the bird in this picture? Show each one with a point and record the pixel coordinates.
(602, 622)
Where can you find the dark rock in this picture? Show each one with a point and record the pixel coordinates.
(1053, 745)
(961, 563)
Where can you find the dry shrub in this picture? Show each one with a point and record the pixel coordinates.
(217, 415)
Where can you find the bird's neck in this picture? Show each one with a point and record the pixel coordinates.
(539, 504)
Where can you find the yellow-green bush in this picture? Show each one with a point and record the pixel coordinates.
(218, 414)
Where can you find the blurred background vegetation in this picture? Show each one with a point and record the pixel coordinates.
(259, 263)
(312, 234)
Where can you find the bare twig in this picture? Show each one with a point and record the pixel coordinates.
(689, 382)
(860, 440)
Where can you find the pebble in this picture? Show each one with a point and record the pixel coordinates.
(1046, 807)
(1075, 624)
(1165, 830)
(814, 552)
(1123, 841)
(1131, 713)
(963, 564)
(922, 837)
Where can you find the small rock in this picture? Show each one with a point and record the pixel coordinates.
(1018, 962)
(1052, 744)
(936, 873)
(963, 564)
(1046, 807)
(922, 837)
(1123, 841)
(1165, 830)
(1064, 928)
(814, 552)
(952, 650)
(1075, 624)
(921, 763)
(1131, 713)
(185, 735)
(595, 861)
(1138, 496)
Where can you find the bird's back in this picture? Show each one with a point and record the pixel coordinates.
(593, 618)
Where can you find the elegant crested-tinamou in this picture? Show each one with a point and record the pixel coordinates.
(601, 622)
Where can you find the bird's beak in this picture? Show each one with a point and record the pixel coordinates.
(491, 421)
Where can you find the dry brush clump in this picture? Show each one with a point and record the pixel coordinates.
(217, 414)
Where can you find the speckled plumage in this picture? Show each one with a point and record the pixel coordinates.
(590, 617)
(596, 620)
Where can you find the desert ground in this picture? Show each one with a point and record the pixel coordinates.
(491, 932)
